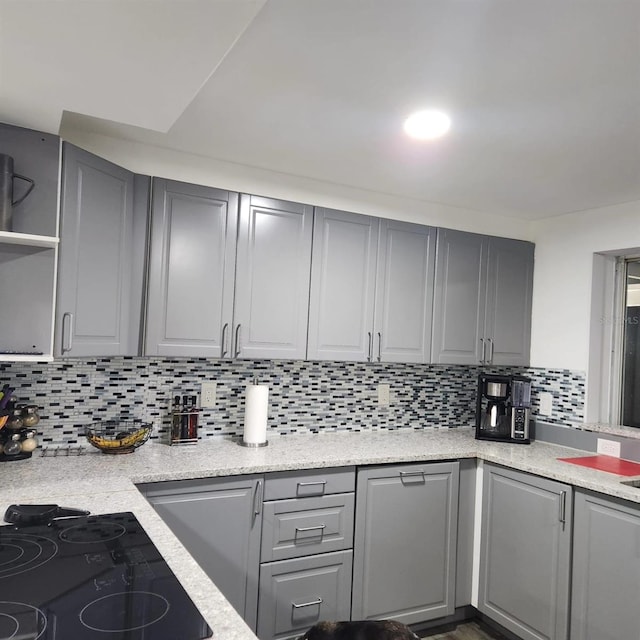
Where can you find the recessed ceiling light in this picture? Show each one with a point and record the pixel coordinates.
(427, 124)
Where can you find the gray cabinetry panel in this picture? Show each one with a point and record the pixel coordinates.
(459, 299)
(525, 552)
(191, 270)
(482, 300)
(96, 295)
(296, 594)
(306, 484)
(342, 286)
(307, 526)
(406, 531)
(509, 293)
(272, 278)
(606, 569)
(219, 523)
(404, 292)
(36, 155)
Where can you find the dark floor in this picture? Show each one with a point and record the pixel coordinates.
(467, 631)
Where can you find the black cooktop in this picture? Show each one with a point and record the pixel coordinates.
(89, 578)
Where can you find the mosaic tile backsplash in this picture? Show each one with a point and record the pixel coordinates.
(303, 396)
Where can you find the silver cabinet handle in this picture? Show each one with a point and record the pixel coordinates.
(236, 343)
(317, 601)
(410, 474)
(482, 358)
(379, 346)
(370, 349)
(257, 499)
(318, 527)
(223, 352)
(490, 358)
(67, 344)
(313, 483)
(562, 516)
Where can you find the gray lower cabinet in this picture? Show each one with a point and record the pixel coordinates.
(101, 262)
(405, 542)
(306, 557)
(525, 553)
(606, 569)
(271, 307)
(482, 299)
(219, 522)
(296, 594)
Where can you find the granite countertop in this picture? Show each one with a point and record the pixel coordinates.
(105, 484)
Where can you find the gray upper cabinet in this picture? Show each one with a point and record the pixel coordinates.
(219, 522)
(509, 292)
(191, 270)
(405, 542)
(371, 289)
(343, 271)
(606, 569)
(404, 292)
(525, 553)
(482, 299)
(100, 266)
(271, 306)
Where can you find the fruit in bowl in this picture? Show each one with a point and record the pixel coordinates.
(115, 436)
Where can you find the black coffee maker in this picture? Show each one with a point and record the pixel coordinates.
(503, 408)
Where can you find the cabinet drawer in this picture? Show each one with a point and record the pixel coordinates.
(302, 484)
(296, 594)
(306, 526)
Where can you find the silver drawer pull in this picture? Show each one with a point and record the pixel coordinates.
(319, 483)
(307, 604)
(412, 474)
(318, 527)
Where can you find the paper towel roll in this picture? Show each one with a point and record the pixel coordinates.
(255, 414)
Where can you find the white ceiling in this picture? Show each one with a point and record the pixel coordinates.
(544, 94)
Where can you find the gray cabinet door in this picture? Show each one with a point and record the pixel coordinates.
(191, 270)
(509, 291)
(404, 292)
(296, 594)
(219, 522)
(606, 569)
(272, 279)
(405, 542)
(459, 298)
(98, 293)
(343, 271)
(525, 553)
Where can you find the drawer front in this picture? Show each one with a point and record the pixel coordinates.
(296, 594)
(304, 484)
(306, 526)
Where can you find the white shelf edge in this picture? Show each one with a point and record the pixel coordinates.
(18, 358)
(28, 239)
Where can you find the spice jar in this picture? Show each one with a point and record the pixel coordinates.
(15, 420)
(30, 417)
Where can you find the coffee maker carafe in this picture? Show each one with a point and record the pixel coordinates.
(502, 408)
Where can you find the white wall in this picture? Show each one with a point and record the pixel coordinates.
(562, 279)
(157, 161)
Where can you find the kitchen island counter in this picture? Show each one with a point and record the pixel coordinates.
(105, 484)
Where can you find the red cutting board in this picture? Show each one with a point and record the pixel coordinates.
(608, 464)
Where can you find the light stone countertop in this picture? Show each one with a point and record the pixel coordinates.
(106, 484)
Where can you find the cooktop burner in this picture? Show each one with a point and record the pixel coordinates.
(89, 578)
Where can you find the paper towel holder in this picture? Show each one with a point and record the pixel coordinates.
(242, 443)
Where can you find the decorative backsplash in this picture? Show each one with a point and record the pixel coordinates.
(304, 396)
